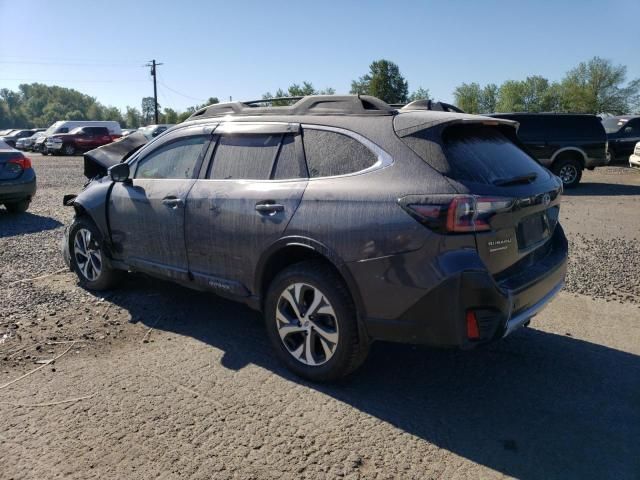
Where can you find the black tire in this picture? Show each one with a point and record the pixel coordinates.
(18, 207)
(569, 170)
(611, 156)
(102, 278)
(352, 345)
(68, 149)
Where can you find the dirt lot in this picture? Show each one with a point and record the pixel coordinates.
(157, 381)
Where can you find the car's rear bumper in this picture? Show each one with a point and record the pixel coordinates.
(501, 304)
(24, 187)
(634, 161)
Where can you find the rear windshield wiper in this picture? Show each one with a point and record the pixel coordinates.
(520, 179)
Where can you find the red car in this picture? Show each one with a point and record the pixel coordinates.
(80, 139)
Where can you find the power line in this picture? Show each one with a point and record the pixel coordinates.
(69, 64)
(181, 94)
(67, 80)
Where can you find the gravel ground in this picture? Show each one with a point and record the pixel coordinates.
(152, 387)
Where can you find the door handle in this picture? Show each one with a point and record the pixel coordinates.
(269, 208)
(172, 202)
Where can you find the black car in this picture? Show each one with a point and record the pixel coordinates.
(623, 132)
(564, 143)
(342, 219)
(12, 137)
(17, 180)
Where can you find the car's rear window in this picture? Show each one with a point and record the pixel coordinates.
(476, 153)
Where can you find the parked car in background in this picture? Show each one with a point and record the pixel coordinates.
(152, 131)
(341, 218)
(27, 142)
(12, 137)
(65, 126)
(17, 179)
(563, 142)
(79, 139)
(6, 131)
(634, 159)
(622, 133)
(128, 131)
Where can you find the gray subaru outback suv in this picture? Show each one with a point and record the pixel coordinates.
(342, 219)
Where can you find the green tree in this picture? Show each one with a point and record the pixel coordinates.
(383, 81)
(170, 115)
(419, 94)
(598, 86)
(148, 110)
(132, 117)
(488, 98)
(468, 97)
(296, 90)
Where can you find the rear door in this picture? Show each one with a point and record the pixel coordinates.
(147, 215)
(243, 202)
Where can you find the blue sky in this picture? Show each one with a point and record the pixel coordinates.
(245, 48)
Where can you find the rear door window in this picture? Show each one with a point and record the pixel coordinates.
(258, 157)
(247, 157)
(331, 153)
(567, 127)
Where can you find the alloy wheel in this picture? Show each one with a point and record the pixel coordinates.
(568, 174)
(307, 324)
(87, 254)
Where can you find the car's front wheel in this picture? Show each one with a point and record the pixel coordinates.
(87, 256)
(312, 322)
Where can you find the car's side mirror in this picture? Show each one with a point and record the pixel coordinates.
(119, 172)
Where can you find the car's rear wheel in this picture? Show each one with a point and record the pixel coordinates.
(569, 170)
(88, 257)
(312, 322)
(68, 149)
(18, 207)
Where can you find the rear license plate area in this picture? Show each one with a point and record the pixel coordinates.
(533, 230)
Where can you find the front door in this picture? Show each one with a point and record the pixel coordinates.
(147, 215)
(244, 203)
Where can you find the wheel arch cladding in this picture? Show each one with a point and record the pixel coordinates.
(285, 254)
(570, 153)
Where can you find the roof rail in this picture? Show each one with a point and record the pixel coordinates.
(308, 105)
(431, 105)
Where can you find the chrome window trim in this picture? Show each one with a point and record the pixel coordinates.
(384, 159)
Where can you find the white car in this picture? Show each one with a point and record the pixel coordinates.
(152, 131)
(634, 159)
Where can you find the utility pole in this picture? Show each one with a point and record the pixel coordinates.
(153, 66)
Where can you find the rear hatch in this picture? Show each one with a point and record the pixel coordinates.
(507, 200)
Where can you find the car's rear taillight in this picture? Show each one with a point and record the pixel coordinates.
(24, 162)
(455, 213)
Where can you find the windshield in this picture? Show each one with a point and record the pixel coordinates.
(52, 129)
(613, 124)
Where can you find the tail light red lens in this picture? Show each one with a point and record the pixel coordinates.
(24, 162)
(473, 332)
(456, 214)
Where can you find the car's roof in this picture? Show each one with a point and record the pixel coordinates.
(360, 113)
